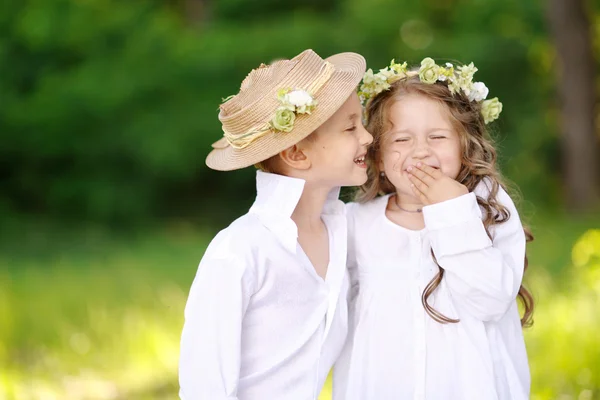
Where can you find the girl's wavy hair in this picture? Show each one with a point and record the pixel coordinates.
(478, 164)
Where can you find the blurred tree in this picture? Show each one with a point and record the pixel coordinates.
(196, 11)
(570, 29)
(109, 107)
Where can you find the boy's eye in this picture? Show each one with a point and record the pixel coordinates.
(352, 129)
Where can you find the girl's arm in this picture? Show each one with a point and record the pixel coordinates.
(483, 275)
(209, 365)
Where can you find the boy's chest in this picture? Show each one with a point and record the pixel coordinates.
(294, 308)
(316, 248)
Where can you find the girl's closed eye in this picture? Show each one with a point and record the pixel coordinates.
(401, 139)
(438, 137)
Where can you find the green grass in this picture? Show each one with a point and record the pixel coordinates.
(90, 315)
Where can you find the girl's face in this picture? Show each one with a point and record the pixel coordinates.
(421, 132)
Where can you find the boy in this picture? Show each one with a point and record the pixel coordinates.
(266, 316)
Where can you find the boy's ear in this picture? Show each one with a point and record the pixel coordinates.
(295, 157)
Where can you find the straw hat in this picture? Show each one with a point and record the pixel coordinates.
(249, 134)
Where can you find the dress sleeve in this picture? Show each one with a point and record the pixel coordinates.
(482, 274)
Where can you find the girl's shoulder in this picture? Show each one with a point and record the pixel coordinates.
(367, 217)
(502, 198)
(484, 189)
(369, 209)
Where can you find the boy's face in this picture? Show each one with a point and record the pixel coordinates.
(421, 132)
(337, 149)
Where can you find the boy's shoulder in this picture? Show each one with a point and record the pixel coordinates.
(239, 239)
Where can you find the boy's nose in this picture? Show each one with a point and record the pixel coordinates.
(366, 137)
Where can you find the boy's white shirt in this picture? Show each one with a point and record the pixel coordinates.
(396, 350)
(259, 322)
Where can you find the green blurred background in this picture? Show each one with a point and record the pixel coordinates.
(108, 109)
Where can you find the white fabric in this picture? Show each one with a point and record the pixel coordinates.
(259, 322)
(395, 349)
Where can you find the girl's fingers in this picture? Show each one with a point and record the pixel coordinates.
(418, 185)
(418, 193)
(418, 182)
(430, 171)
(422, 175)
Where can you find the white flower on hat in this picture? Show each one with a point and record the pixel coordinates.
(299, 98)
(478, 92)
(293, 102)
(298, 101)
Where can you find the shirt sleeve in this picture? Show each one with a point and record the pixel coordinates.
(209, 365)
(482, 274)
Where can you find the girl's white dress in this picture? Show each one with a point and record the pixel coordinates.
(395, 350)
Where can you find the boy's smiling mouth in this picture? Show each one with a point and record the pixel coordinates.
(360, 160)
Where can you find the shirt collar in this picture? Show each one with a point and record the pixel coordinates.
(276, 199)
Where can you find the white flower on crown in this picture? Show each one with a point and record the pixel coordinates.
(374, 83)
(445, 73)
(478, 92)
(385, 73)
(459, 79)
(464, 78)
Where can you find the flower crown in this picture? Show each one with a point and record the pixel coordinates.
(459, 79)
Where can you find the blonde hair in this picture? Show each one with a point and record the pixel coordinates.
(268, 165)
(478, 163)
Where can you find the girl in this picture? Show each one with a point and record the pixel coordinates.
(266, 315)
(436, 248)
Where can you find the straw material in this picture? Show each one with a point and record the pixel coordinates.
(248, 113)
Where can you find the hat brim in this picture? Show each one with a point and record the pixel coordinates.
(349, 69)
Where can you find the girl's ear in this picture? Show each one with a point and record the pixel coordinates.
(295, 157)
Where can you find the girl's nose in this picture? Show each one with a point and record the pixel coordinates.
(421, 150)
